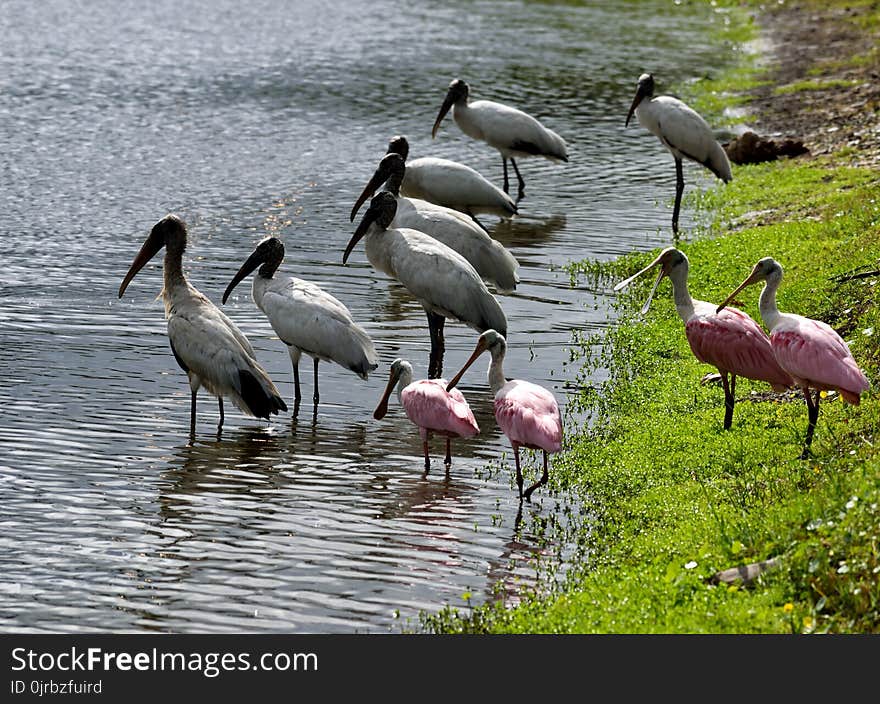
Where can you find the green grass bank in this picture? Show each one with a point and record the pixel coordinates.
(676, 498)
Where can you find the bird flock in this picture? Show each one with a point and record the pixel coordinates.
(422, 230)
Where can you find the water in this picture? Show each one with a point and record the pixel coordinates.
(267, 117)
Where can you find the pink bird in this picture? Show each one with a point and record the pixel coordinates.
(810, 350)
(527, 413)
(429, 406)
(729, 339)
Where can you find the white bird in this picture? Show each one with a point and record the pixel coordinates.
(305, 317)
(682, 131)
(492, 260)
(512, 132)
(440, 278)
(451, 184)
(207, 345)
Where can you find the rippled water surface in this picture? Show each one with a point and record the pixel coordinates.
(267, 117)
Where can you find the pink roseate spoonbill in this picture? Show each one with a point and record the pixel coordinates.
(512, 132)
(440, 278)
(809, 350)
(526, 413)
(729, 340)
(207, 345)
(683, 131)
(305, 317)
(430, 407)
(492, 260)
(451, 184)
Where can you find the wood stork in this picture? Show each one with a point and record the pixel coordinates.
(440, 278)
(729, 340)
(492, 260)
(527, 413)
(512, 132)
(809, 350)
(207, 345)
(305, 317)
(451, 184)
(430, 407)
(682, 131)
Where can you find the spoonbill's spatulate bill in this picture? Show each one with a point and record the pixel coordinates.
(430, 407)
(682, 131)
(305, 317)
(440, 278)
(512, 132)
(207, 345)
(526, 413)
(492, 260)
(810, 350)
(729, 340)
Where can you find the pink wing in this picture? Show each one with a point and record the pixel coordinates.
(813, 352)
(735, 343)
(428, 405)
(529, 415)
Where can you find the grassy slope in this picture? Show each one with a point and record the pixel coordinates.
(676, 497)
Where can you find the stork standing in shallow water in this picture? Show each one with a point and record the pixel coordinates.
(729, 340)
(811, 351)
(305, 317)
(527, 413)
(207, 345)
(440, 278)
(493, 262)
(451, 184)
(682, 131)
(512, 132)
(430, 407)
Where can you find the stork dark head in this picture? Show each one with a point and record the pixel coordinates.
(383, 208)
(169, 232)
(391, 170)
(458, 90)
(398, 145)
(269, 253)
(644, 90)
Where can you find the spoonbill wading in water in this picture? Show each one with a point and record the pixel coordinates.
(682, 131)
(526, 413)
(430, 407)
(729, 340)
(207, 345)
(305, 317)
(512, 132)
(810, 350)
(440, 278)
(493, 262)
(451, 184)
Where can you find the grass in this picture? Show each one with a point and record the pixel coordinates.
(815, 84)
(675, 498)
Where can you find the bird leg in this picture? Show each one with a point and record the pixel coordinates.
(679, 189)
(192, 414)
(520, 181)
(729, 398)
(543, 480)
(220, 424)
(506, 182)
(297, 395)
(448, 452)
(316, 396)
(519, 476)
(812, 417)
(435, 327)
(427, 456)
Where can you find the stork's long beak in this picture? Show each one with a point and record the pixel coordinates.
(447, 103)
(640, 94)
(369, 218)
(478, 350)
(149, 249)
(252, 262)
(382, 408)
(750, 279)
(379, 177)
(627, 282)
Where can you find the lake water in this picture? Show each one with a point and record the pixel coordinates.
(268, 117)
